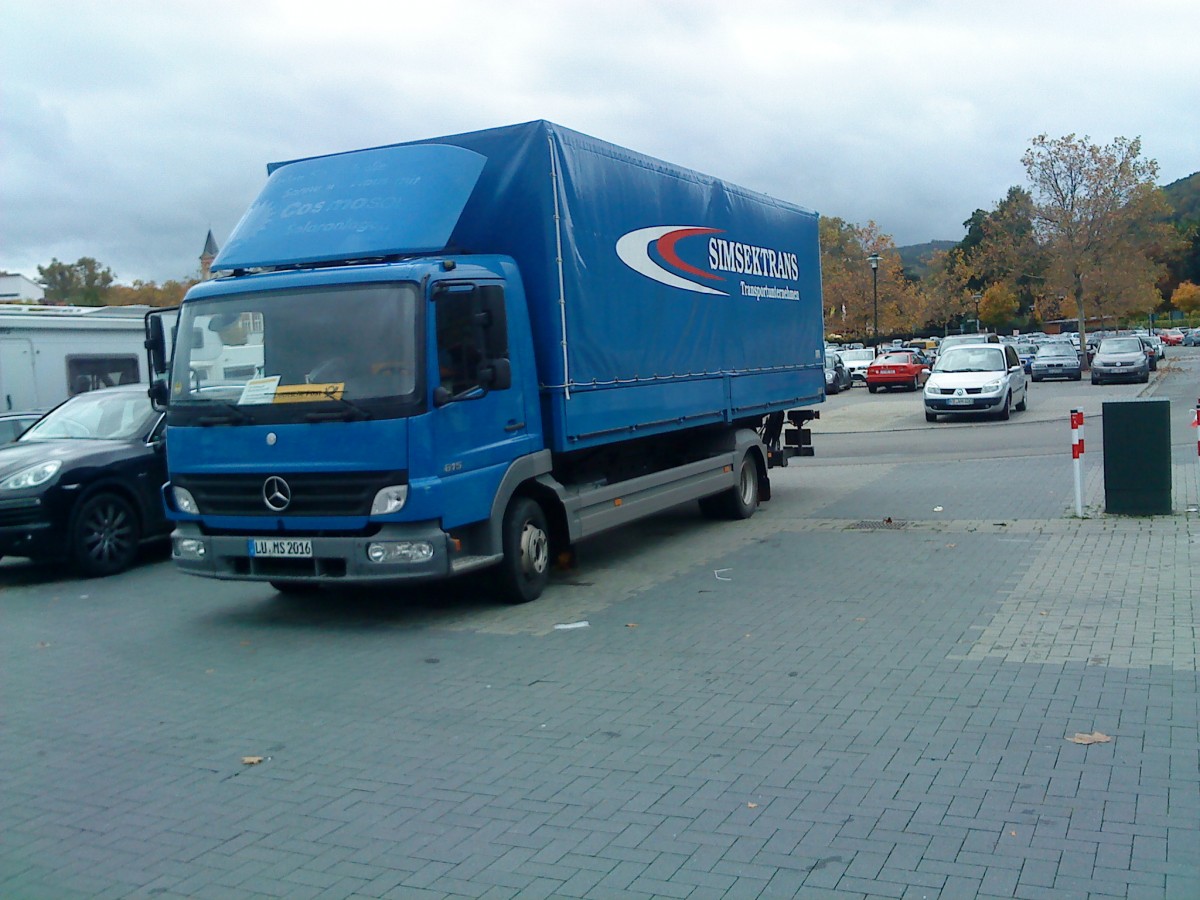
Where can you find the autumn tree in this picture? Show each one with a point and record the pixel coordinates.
(944, 291)
(998, 306)
(1187, 298)
(1096, 210)
(83, 283)
(149, 293)
(848, 284)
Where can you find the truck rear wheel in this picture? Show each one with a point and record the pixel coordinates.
(526, 566)
(740, 501)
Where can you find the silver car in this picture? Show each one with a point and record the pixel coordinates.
(976, 378)
(1120, 359)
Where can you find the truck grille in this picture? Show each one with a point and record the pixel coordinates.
(312, 493)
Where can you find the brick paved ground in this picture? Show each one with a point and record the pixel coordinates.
(813, 703)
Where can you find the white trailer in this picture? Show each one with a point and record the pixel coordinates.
(49, 353)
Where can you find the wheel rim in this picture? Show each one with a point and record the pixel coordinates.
(108, 533)
(535, 550)
(746, 485)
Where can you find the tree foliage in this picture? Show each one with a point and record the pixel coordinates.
(169, 293)
(998, 306)
(1187, 297)
(849, 284)
(1099, 220)
(82, 283)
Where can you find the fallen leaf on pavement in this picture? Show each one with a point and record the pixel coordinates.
(252, 760)
(752, 805)
(1094, 738)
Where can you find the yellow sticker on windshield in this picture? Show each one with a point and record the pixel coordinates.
(309, 393)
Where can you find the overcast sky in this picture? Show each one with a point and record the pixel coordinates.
(131, 128)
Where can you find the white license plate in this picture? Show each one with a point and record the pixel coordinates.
(960, 401)
(887, 371)
(292, 548)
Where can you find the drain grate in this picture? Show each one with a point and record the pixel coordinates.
(877, 524)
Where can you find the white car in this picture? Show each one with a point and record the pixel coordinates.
(976, 378)
(856, 361)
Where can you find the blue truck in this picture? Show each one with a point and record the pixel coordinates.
(471, 352)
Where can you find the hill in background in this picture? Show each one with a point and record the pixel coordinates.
(1184, 196)
(915, 257)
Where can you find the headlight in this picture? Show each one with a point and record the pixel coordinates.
(389, 499)
(992, 386)
(185, 501)
(34, 476)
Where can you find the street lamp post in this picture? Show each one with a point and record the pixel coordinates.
(873, 260)
(977, 297)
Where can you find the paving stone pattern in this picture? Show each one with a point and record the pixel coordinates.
(803, 704)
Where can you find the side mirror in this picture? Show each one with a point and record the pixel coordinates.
(156, 344)
(497, 374)
(158, 394)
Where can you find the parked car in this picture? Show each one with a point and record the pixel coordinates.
(856, 361)
(976, 378)
(837, 376)
(1172, 337)
(1151, 351)
(1120, 359)
(1191, 337)
(955, 340)
(82, 484)
(1056, 360)
(1026, 351)
(1160, 349)
(13, 425)
(907, 368)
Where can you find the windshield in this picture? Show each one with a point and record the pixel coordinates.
(1057, 350)
(97, 415)
(1121, 345)
(971, 359)
(320, 345)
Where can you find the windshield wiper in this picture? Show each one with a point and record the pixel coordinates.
(233, 415)
(354, 412)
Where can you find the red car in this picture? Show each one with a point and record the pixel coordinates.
(1172, 337)
(900, 368)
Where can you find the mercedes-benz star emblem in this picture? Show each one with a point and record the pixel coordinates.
(276, 493)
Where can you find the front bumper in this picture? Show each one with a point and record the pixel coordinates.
(28, 528)
(1119, 373)
(334, 560)
(971, 403)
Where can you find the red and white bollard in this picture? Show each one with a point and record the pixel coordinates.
(1077, 457)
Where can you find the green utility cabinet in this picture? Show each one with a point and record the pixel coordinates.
(1137, 457)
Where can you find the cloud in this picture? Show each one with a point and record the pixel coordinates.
(133, 127)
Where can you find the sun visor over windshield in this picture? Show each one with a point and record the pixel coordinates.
(361, 205)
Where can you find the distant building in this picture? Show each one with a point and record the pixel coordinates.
(19, 289)
(207, 255)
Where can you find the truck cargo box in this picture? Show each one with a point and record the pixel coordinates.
(659, 298)
(681, 299)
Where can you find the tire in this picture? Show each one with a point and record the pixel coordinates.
(525, 569)
(930, 417)
(1146, 378)
(1006, 409)
(1078, 377)
(872, 388)
(740, 501)
(914, 386)
(295, 588)
(104, 536)
(1095, 380)
(1024, 404)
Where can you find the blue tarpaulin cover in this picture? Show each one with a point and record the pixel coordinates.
(681, 299)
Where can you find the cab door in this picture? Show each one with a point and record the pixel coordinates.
(479, 418)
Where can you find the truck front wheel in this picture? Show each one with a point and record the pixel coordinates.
(526, 566)
(740, 501)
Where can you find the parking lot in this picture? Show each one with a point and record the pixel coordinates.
(913, 674)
